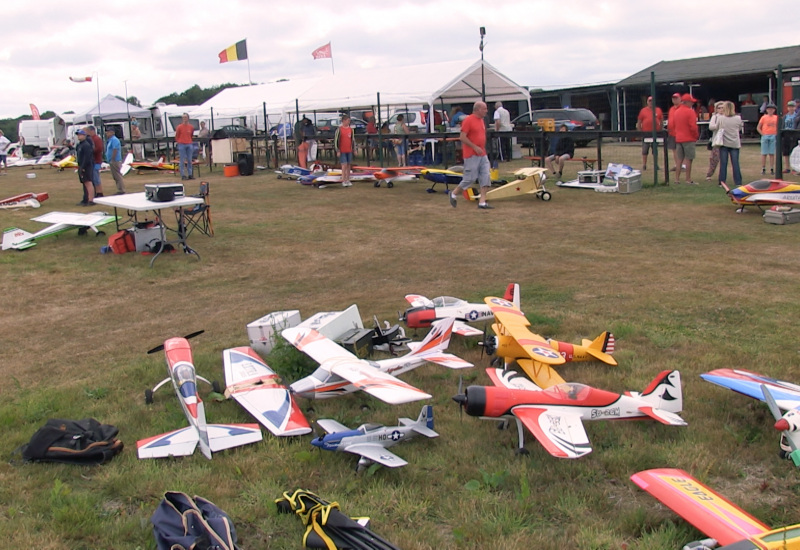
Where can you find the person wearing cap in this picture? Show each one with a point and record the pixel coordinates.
(686, 136)
(788, 137)
(84, 154)
(644, 123)
(114, 158)
(676, 102)
(768, 128)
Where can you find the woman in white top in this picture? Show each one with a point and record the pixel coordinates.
(730, 124)
(713, 160)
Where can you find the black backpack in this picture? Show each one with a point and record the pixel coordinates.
(181, 523)
(74, 442)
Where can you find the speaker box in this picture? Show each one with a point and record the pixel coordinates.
(246, 164)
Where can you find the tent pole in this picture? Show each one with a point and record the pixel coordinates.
(380, 135)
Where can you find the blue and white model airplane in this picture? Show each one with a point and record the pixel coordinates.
(371, 441)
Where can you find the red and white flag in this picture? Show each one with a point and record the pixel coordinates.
(323, 52)
(35, 112)
(81, 78)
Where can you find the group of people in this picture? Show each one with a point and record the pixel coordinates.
(89, 155)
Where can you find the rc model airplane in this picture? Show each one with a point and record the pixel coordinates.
(20, 239)
(424, 311)
(257, 388)
(529, 181)
(182, 442)
(779, 396)
(340, 372)
(25, 200)
(534, 353)
(713, 514)
(764, 193)
(371, 441)
(555, 416)
(393, 174)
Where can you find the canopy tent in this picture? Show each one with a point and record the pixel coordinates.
(111, 108)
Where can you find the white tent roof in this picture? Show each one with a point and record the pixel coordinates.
(111, 108)
(449, 82)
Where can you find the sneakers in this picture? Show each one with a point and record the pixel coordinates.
(763, 172)
(691, 183)
(772, 171)
(120, 193)
(453, 201)
(82, 203)
(347, 184)
(485, 206)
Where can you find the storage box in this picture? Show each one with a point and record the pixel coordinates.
(163, 192)
(357, 341)
(263, 332)
(591, 176)
(629, 184)
(333, 324)
(782, 217)
(146, 238)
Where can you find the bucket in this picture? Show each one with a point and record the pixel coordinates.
(231, 170)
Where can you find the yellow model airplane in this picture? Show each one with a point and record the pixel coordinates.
(535, 354)
(529, 181)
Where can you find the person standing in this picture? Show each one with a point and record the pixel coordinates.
(713, 159)
(114, 157)
(4, 144)
(400, 144)
(730, 124)
(183, 137)
(644, 123)
(136, 135)
(344, 141)
(84, 154)
(768, 128)
(204, 135)
(302, 146)
(686, 136)
(97, 144)
(476, 163)
(372, 132)
(310, 136)
(788, 137)
(676, 102)
(502, 123)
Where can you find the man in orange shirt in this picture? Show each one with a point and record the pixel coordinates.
(183, 137)
(644, 123)
(686, 136)
(476, 163)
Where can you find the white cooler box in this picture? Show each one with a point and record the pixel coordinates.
(263, 332)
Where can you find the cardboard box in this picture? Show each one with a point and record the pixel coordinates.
(263, 332)
(357, 341)
(333, 324)
(629, 184)
(782, 217)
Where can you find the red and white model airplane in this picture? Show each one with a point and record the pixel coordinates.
(182, 442)
(555, 416)
(340, 372)
(19, 239)
(25, 200)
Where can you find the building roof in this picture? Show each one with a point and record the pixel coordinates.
(718, 66)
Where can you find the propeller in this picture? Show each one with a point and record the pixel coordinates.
(188, 336)
(460, 398)
(782, 423)
(488, 343)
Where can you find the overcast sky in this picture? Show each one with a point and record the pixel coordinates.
(160, 47)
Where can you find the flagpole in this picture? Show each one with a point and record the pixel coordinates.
(98, 93)
(332, 70)
(249, 80)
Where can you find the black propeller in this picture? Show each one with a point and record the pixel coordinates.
(460, 398)
(488, 343)
(188, 336)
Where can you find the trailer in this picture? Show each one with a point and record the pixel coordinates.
(39, 136)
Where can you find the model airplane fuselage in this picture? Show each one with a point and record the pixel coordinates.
(182, 442)
(555, 416)
(340, 372)
(765, 192)
(423, 312)
(25, 200)
(20, 239)
(371, 441)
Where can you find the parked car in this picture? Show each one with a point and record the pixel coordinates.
(575, 119)
(233, 131)
(282, 130)
(329, 125)
(417, 121)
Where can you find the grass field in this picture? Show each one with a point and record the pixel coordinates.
(682, 280)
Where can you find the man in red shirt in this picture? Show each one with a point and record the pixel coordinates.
(183, 137)
(343, 141)
(686, 136)
(476, 163)
(644, 123)
(97, 144)
(676, 102)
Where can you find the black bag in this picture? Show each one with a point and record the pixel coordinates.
(182, 523)
(74, 442)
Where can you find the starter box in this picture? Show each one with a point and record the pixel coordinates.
(358, 341)
(163, 192)
(264, 332)
(782, 217)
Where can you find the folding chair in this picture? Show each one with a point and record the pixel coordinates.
(199, 216)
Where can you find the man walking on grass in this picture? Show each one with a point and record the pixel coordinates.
(476, 163)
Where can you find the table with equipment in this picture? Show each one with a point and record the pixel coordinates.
(136, 204)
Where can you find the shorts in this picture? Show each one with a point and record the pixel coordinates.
(647, 146)
(671, 143)
(476, 168)
(345, 158)
(400, 147)
(3, 159)
(685, 150)
(768, 145)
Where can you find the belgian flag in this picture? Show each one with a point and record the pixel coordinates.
(237, 52)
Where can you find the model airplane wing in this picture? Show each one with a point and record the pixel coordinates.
(257, 388)
(331, 426)
(560, 433)
(226, 436)
(417, 300)
(379, 384)
(511, 380)
(515, 324)
(541, 373)
(701, 506)
(376, 453)
(446, 360)
(176, 443)
(463, 329)
(315, 345)
(665, 417)
(786, 395)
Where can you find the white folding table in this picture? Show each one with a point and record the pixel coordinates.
(134, 203)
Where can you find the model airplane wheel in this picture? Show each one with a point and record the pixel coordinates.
(215, 387)
(280, 176)
(546, 196)
(82, 231)
(376, 184)
(390, 185)
(365, 408)
(430, 190)
(148, 397)
(522, 451)
(101, 234)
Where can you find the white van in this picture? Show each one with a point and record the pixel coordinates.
(39, 136)
(417, 120)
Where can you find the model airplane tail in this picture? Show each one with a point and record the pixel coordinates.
(183, 442)
(423, 424)
(512, 294)
(437, 339)
(665, 397)
(15, 237)
(602, 347)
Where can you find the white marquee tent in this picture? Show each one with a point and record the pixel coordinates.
(111, 108)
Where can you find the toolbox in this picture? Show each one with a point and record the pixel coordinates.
(782, 217)
(630, 183)
(358, 341)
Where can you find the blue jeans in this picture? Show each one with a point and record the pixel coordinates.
(724, 153)
(185, 159)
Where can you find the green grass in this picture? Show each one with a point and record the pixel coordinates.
(681, 279)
